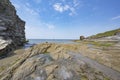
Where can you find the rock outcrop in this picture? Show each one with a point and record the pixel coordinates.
(50, 62)
(12, 28)
(82, 37)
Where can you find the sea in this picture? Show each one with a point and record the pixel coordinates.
(38, 41)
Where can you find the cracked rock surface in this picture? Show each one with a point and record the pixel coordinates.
(50, 62)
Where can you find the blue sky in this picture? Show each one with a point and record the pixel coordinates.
(67, 19)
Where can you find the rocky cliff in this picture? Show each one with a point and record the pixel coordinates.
(12, 28)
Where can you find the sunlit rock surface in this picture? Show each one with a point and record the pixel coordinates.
(39, 63)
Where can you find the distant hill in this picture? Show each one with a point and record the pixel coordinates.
(106, 34)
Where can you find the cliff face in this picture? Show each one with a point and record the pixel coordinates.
(12, 28)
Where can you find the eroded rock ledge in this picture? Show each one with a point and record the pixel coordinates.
(50, 62)
(12, 28)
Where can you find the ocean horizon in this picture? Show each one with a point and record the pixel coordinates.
(39, 41)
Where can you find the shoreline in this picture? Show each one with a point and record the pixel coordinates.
(80, 47)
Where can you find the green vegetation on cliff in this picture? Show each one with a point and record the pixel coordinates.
(106, 34)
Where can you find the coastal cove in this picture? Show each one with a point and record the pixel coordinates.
(59, 40)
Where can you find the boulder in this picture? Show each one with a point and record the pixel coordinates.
(82, 37)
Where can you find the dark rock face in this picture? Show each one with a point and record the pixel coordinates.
(82, 37)
(12, 28)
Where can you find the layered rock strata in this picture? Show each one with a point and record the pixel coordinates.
(50, 62)
(12, 28)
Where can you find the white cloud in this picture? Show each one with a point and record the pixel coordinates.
(72, 11)
(62, 8)
(66, 7)
(117, 17)
(59, 7)
(71, 6)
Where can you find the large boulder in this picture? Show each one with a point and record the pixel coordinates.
(82, 37)
(12, 28)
